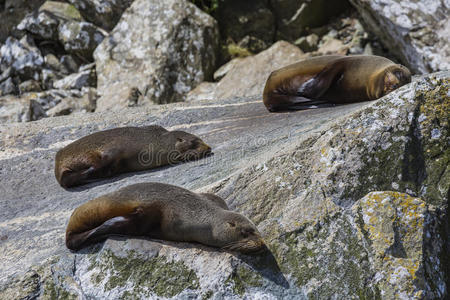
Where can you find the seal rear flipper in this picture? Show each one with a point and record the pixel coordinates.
(121, 225)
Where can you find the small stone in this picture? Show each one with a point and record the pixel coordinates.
(252, 44)
(76, 81)
(69, 62)
(8, 87)
(52, 61)
(308, 43)
(29, 86)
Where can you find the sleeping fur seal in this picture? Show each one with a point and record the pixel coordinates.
(162, 211)
(332, 79)
(110, 152)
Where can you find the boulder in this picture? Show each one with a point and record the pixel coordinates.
(104, 14)
(43, 23)
(179, 53)
(248, 76)
(352, 201)
(22, 56)
(294, 17)
(418, 32)
(12, 12)
(80, 38)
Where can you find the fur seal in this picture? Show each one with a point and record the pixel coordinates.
(331, 79)
(110, 152)
(166, 212)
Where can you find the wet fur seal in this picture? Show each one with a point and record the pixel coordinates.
(331, 79)
(110, 152)
(166, 212)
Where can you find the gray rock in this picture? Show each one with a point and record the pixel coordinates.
(77, 81)
(41, 24)
(22, 56)
(29, 86)
(104, 14)
(179, 53)
(80, 38)
(306, 178)
(418, 32)
(8, 87)
(33, 106)
(70, 63)
(12, 12)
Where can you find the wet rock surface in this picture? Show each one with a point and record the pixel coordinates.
(352, 201)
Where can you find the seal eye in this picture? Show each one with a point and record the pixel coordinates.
(232, 224)
(180, 140)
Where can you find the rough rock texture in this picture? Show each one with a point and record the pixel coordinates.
(418, 32)
(104, 14)
(308, 179)
(34, 106)
(247, 76)
(294, 17)
(179, 53)
(22, 56)
(12, 12)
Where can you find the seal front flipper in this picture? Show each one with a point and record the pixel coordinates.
(316, 87)
(120, 225)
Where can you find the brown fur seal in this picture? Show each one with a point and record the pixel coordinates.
(162, 211)
(126, 149)
(331, 79)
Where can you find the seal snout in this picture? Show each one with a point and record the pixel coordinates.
(204, 148)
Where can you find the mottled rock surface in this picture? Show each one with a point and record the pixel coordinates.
(179, 53)
(418, 32)
(247, 76)
(352, 201)
(104, 14)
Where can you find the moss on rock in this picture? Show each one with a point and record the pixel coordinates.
(142, 276)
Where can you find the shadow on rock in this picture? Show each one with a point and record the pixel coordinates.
(266, 264)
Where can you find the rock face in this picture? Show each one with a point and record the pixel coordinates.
(352, 201)
(179, 53)
(418, 32)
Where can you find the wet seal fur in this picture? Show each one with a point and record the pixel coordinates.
(166, 212)
(110, 152)
(331, 79)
